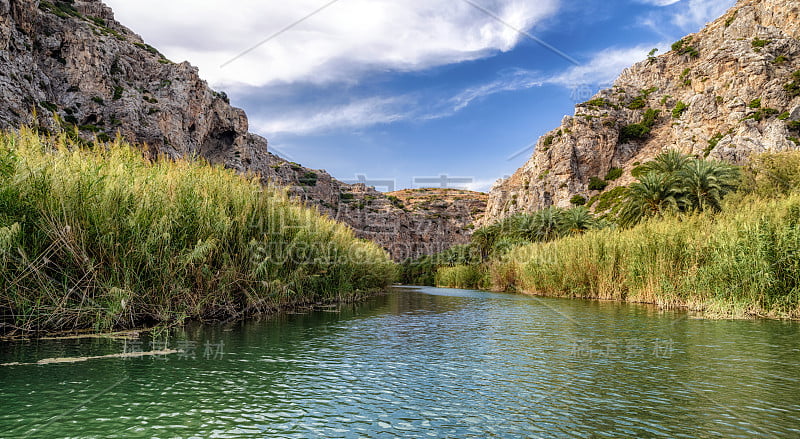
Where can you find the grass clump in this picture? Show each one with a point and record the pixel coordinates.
(104, 239)
(679, 109)
(758, 43)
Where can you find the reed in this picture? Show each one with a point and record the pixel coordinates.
(743, 262)
(102, 238)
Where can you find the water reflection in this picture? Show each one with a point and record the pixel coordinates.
(425, 362)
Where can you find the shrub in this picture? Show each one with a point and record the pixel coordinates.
(758, 43)
(308, 179)
(613, 174)
(578, 200)
(780, 59)
(396, 202)
(49, 106)
(548, 140)
(611, 201)
(639, 131)
(755, 103)
(729, 21)
(600, 103)
(597, 184)
(118, 93)
(679, 109)
(683, 48)
(684, 77)
(712, 143)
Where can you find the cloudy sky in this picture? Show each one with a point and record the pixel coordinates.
(406, 90)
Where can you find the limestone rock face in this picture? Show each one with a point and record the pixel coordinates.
(724, 93)
(408, 223)
(72, 65)
(69, 66)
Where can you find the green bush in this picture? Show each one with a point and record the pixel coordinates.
(309, 179)
(712, 143)
(613, 174)
(682, 47)
(755, 103)
(396, 202)
(639, 131)
(578, 200)
(597, 184)
(679, 109)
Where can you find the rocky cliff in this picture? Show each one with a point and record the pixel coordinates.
(407, 223)
(726, 92)
(70, 67)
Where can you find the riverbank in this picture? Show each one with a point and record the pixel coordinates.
(742, 261)
(100, 238)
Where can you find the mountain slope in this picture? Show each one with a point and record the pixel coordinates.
(70, 67)
(726, 92)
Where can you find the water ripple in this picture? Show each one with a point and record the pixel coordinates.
(437, 363)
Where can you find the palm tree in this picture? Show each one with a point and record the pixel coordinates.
(546, 223)
(525, 227)
(576, 220)
(704, 183)
(669, 162)
(654, 195)
(485, 238)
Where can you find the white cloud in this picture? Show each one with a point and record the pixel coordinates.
(377, 110)
(601, 69)
(604, 67)
(355, 114)
(517, 80)
(480, 185)
(659, 2)
(343, 42)
(700, 12)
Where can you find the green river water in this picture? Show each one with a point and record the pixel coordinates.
(420, 363)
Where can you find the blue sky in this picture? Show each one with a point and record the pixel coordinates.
(402, 90)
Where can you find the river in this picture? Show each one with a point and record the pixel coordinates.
(420, 362)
